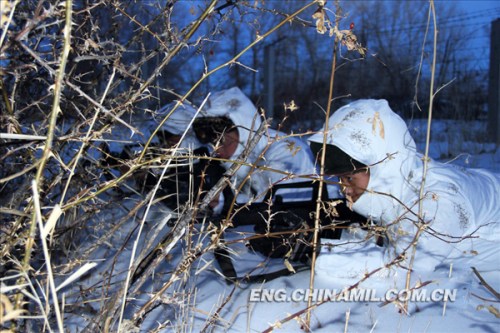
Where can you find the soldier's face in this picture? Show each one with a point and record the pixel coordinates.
(228, 144)
(354, 184)
(172, 140)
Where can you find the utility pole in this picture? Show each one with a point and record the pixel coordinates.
(269, 70)
(494, 84)
(269, 64)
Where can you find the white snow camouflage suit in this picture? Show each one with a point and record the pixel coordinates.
(457, 202)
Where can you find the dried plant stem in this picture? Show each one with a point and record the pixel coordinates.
(421, 225)
(347, 316)
(6, 28)
(50, 136)
(215, 316)
(48, 264)
(321, 175)
(252, 166)
(13, 126)
(486, 284)
(431, 103)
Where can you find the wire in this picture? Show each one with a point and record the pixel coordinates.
(460, 18)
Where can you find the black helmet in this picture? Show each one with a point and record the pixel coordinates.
(337, 162)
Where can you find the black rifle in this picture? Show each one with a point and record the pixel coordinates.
(284, 229)
(289, 232)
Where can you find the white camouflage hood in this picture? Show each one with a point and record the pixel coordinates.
(178, 123)
(369, 132)
(272, 151)
(235, 105)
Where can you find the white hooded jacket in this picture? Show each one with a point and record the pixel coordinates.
(457, 202)
(178, 123)
(275, 150)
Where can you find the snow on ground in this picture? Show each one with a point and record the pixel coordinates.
(204, 300)
(464, 314)
(458, 142)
